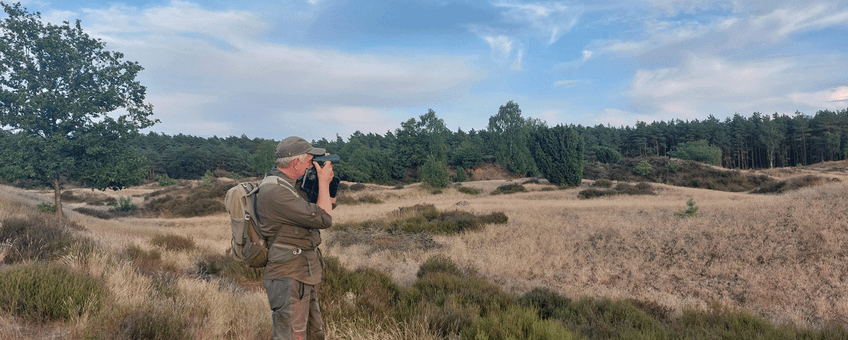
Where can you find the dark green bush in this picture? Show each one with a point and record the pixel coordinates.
(516, 323)
(42, 292)
(442, 288)
(357, 187)
(124, 204)
(509, 189)
(592, 193)
(165, 181)
(35, 237)
(438, 264)
(46, 208)
(469, 191)
(173, 242)
(602, 183)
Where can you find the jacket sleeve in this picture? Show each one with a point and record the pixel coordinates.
(278, 204)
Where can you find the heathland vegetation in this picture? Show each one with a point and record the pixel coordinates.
(494, 259)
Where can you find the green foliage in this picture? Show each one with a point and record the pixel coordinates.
(173, 242)
(508, 189)
(468, 190)
(208, 180)
(699, 151)
(606, 155)
(461, 176)
(438, 264)
(672, 167)
(558, 153)
(692, 211)
(46, 207)
(59, 111)
(602, 183)
(262, 161)
(434, 173)
(510, 134)
(165, 181)
(124, 204)
(643, 168)
(35, 237)
(42, 292)
(516, 323)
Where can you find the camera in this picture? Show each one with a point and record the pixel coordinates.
(333, 159)
(309, 181)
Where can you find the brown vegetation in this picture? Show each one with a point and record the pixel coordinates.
(781, 257)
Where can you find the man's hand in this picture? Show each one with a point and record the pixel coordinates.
(325, 176)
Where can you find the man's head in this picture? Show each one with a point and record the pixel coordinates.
(295, 154)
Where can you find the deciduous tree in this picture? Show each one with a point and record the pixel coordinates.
(58, 87)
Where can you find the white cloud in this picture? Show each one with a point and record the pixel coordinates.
(552, 19)
(501, 46)
(516, 64)
(831, 99)
(566, 83)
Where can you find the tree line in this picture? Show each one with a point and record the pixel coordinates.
(521, 144)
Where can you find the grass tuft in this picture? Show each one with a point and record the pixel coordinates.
(41, 293)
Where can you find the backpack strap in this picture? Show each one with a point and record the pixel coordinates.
(269, 180)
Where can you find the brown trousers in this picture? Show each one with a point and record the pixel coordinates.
(294, 310)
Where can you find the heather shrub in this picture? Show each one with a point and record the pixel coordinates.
(516, 323)
(43, 292)
(469, 191)
(438, 264)
(509, 189)
(35, 237)
(152, 321)
(146, 261)
(165, 181)
(357, 187)
(602, 183)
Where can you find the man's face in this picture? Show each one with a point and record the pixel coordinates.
(305, 164)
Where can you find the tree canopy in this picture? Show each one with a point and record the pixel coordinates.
(58, 87)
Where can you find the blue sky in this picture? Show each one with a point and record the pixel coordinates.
(318, 68)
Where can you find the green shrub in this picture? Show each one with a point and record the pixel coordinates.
(208, 180)
(35, 237)
(602, 183)
(438, 264)
(611, 319)
(173, 242)
(39, 292)
(124, 204)
(509, 189)
(357, 187)
(441, 288)
(643, 168)
(46, 207)
(516, 323)
(469, 191)
(461, 176)
(434, 173)
(692, 211)
(165, 181)
(592, 193)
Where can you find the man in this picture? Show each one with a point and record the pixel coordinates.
(290, 223)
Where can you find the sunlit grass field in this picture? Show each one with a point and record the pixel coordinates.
(779, 258)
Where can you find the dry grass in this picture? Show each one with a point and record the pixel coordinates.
(781, 256)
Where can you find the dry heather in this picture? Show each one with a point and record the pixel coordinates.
(780, 256)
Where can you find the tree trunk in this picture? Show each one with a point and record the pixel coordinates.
(57, 197)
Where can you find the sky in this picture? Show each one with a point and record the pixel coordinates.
(327, 68)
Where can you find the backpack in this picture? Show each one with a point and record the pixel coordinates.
(248, 244)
